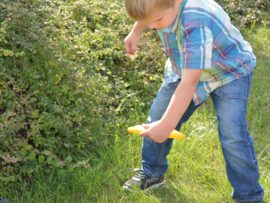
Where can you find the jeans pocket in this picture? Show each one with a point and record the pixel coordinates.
(172, 84)
(237, 89)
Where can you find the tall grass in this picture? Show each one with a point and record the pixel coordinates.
(196, 172)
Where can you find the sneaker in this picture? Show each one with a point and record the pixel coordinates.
(143, 182)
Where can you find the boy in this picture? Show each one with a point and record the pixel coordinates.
(212, 59)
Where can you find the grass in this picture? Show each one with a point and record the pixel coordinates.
(197, 170)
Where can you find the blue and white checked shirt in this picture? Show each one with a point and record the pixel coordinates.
(202, 37)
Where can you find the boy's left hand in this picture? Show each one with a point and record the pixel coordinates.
(156, 131)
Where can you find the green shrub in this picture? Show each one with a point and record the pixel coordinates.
(247, 12)
(45, 101)
(65, 80)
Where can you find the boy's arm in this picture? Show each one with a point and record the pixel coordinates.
(133, 38)
(159, 131)
(139, 28)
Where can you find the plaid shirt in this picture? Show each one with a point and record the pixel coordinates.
(202, 37)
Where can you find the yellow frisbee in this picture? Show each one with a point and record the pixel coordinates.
(139, 128)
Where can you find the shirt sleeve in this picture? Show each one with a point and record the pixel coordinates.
(197, 48)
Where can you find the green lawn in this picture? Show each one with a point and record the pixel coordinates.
(196, 172)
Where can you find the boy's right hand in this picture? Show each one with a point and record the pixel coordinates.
(131, 42)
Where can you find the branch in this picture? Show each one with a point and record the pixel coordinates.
(58, 159)
(63, 117)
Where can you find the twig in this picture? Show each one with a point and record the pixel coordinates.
(63, 118)
(55, 158)
(1, 95)
(59, 105)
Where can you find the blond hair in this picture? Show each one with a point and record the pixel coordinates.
(142, 10)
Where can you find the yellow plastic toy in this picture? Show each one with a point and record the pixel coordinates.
(139, 128)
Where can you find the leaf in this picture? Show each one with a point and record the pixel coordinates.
(23, 152)
(3, 31)
(36, 150)
(35, 114)
(6, 52)
(30, 170)
(24, 145)
(6, 174)
(57, 163)
(41, 158)
(29, 147)
(32, 156)
(23, 170)
(49, 160)
(70, 168)
(46, 152)
(69, 159)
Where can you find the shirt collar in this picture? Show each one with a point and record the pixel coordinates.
(174, 25)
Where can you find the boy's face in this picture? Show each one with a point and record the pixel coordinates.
(164, 18)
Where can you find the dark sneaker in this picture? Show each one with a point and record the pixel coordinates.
(143, 182)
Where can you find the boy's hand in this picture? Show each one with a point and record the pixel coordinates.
(133, 38)
(131, 42)
(159, 131)
(156, 131)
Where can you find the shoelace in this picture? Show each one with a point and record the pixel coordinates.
(140, 173)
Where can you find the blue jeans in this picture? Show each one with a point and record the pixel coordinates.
(230, 102)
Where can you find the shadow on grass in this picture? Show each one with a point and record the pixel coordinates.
(169, 193)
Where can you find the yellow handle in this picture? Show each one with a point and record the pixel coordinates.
(139, 128)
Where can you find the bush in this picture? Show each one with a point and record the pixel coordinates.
(45, 101)
(65, 80)
(247, 12)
